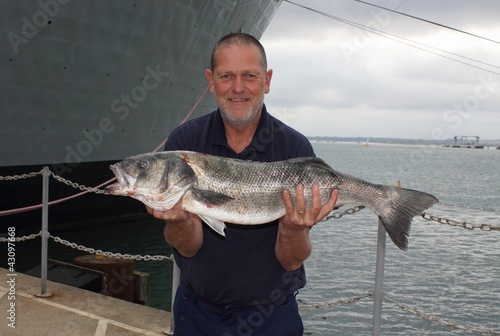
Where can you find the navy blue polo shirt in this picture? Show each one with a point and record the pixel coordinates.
(240, 269)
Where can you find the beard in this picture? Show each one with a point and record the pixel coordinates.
(251, 114)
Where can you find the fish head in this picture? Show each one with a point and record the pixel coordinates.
(159, 180)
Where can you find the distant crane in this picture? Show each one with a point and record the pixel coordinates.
(466, 141)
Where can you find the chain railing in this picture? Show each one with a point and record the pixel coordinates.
(91, 250)
(441, 321)
(337, 215)
(465, 225)
(406, 308)
(20, 239)
(21, 176)
(336, 303)
(304, 307)
(79, 186)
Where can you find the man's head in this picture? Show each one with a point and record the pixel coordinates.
(238, 39)
(239, 78)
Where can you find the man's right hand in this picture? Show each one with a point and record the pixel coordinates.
(183, 231)
(174, 215)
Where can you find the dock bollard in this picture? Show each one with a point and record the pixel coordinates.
(118, 274)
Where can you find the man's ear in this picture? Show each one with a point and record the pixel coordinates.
(269, 75)
(210, 79)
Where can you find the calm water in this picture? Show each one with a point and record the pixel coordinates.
(448, 272)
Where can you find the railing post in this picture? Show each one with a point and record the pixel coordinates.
(378, 295)
(45, 232)
(176, 279)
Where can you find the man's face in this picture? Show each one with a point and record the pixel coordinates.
(239, 83)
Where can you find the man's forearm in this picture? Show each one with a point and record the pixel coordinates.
(292, 248)
(186, 237)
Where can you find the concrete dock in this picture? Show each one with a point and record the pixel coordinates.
(71, 311)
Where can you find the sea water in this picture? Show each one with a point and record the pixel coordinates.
(449, 273)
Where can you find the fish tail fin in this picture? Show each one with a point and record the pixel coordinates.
(403, 205)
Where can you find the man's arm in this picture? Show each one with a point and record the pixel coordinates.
(293, 246)
(183, 230)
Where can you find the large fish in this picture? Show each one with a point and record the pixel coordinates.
(246, 192)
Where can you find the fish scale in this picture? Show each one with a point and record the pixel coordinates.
(242, 192)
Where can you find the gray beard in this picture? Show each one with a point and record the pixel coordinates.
(227, 117)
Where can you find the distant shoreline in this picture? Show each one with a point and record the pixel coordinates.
(396, 141)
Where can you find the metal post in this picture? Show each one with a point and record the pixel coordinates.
(378, 295)
(45, 232)
(176, 279)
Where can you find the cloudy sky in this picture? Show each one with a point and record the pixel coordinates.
(334, 79)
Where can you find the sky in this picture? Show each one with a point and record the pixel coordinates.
(334, 79)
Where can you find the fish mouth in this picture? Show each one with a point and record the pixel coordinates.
(124, 184)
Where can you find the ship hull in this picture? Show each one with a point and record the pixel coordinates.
(87, 83)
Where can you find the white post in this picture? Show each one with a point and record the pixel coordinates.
(176, 279)
(45, 233)
(378, 295)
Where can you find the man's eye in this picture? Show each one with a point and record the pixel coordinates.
(250, 77)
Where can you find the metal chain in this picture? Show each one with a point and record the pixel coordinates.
(20, 177)
(440, 321)
(465, 225)
(79, 186)
(337, 215)
(335, 303)
(406, 308)
(20, 239)
(110, 254)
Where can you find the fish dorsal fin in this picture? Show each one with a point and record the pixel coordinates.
(313, 161)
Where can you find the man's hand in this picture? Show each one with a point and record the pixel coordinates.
(183, 231)
(174, 215)
(299, 217)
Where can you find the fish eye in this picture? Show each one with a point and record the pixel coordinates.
(141, 164)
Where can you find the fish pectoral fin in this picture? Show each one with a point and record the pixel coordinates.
(216, 225)
(209, 198)
(170, 197)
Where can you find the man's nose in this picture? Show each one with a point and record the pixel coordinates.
(238, 84)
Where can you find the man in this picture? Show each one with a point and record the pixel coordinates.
(245, 283)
